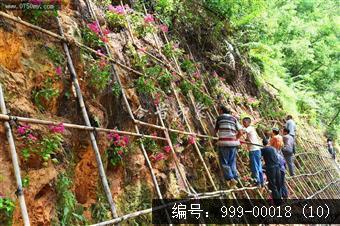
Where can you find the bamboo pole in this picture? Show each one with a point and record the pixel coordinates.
(88, 123)
(148, 162)
(4, 117)
(166, 133)
(15, 161)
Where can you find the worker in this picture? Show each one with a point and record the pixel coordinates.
(288, 150)
(291, 126)
(330, 147)
(276, 139)
(254, 151)
(273, 173)
(283, 187)
(228, 129)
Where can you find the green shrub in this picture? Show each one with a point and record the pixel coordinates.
(185, 87)
(7, 207)
(90, 38)
(150, 144)
(68, 210)
(145, 86)
(188, 66)
(164, 81)
(45, 94)
(100, 76)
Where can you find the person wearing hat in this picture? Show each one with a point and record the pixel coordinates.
(276, 139)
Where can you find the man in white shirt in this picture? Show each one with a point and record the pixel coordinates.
(254, 151)
(291, 126)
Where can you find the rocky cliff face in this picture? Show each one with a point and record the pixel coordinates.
(58, 165)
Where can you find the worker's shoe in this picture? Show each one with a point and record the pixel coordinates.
(232, 183)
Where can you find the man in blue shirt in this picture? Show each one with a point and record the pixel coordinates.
(273, 173)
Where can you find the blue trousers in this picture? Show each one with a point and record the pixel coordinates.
(284, 190)
(256, 166)
(227, 157)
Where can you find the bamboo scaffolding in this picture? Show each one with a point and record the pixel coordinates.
(183, 178)
(88, 123)
(15, 162)
(115, 74)
(91, 129)
(4, 117)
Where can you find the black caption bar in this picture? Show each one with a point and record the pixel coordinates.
(245, 211)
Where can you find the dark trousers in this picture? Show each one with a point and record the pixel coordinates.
(227, 157)
(284, 190)
(289, 157)
(274, 183)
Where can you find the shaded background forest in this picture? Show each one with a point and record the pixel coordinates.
(291, 46)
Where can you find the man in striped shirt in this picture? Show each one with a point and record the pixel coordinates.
(228, 129)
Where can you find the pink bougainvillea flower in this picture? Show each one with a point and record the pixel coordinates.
(117, 9)
(191, 140)
(60, 128)
(164, 28)
(35, 2)
(251, 100)
(106, 31)
(99, 52)
(197, 74)
(58, 70)
(167, 149)
(104, 39)
(120, 152)
(149, 18)
(159, 157)
(94, 27)
(32, 137)
(23, 129)
(126, 139)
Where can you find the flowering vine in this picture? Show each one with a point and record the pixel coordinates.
(118, 148)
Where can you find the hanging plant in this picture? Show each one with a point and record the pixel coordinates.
(165, 80)
(145, 86)
(171, 49)
(100, 74)
(118, 148)
(115, 17)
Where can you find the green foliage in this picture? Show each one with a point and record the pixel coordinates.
(172, 50)
(55, 55)
(145, 85)
(136, 196)
(45, 94)
(150, 144)
(90, 38)
(7, 207)
(25, 182)
(115, 21)
(116, 89)
(202, 97)
(100, 211)
(185, 87)
(50, 145)
(38, 16)
(166, 10)
(164, 81)
(100, 75)
(69, 211)
(188, 66)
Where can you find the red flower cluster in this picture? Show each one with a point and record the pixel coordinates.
(167, 149)
(157, 157)
(164, 28)
(26, 132)
(22, 130)
(118, 141)
(94, 27)
(149, 18)
(191, 139)
(57, 128)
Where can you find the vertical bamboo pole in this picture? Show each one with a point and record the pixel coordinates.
(88, 123)
(183, 178)
(15, 161)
